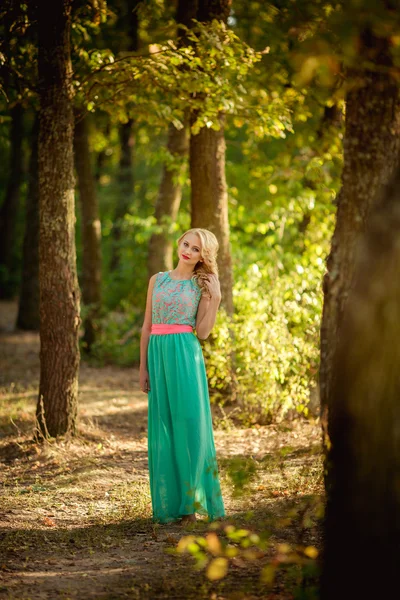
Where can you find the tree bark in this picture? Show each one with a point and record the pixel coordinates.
(125, 187)
(91, 231)
(209, 10)
(9, 208)
(170, 193)
(371, 154)
(362, 524)
(59, 291)
(127, 143)
(169, 199)
(209, 197)
(28, 308)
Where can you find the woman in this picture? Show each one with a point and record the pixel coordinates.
(182, 463)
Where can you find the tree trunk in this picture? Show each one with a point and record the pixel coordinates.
(91, 231)
(127, 143)
(170, 193)
(362, 524)
(59, 291)
(214, 9)
(210, 199)
(371, 154)
(125, 188)
(9, 208)
(28, 309)
(168, 201)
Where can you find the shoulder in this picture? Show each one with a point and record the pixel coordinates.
(161, 275)
(153, 280)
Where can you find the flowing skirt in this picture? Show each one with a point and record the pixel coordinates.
(182, 460)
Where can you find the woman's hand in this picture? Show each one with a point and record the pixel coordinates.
(144, 381)
(213, 286)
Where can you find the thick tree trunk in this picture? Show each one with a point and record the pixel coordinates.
(214, 9)
(210, 199)
(371, 154)
(91, 231)
(9, 208)
(362, 524)
(125, 188)
(170, 193)
(168, 201)
(59, 291)
(28, 308)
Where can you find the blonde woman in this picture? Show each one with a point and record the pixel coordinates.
(182, 462)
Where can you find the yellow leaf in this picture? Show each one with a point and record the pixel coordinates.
(213, 543)
(268, 574)
(311, 552)
(185, 542)
(217, 569)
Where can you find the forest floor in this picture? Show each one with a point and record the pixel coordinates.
(75, 514)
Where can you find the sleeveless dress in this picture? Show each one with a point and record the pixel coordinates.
(182, 460)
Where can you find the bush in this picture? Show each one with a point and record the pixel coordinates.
(268, 352)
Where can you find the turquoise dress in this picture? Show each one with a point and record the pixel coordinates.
(182, 461)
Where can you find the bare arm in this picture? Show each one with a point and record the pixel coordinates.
(144, 339)
(208, 308)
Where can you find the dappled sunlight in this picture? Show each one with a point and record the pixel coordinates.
(81, 506)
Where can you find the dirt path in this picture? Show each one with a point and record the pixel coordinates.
(75, 516)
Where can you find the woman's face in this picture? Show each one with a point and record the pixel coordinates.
(189, 250)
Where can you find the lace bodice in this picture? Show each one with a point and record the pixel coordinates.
(175, 300)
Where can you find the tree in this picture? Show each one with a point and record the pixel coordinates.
(128, 13)
(28, 305)
(59, 292)
(9, 207)
(209, 197)
(362, 526)
(91, 229)
(371, 154)
(170, 192)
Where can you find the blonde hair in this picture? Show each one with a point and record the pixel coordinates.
(209, 251)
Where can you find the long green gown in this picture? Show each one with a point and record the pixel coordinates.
(182, 460)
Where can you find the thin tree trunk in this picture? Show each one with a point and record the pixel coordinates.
(59, 291)
(170, 193)
(91, 231)
(168, 201)
(28, 308)
(210, 199)
(371, 154)
(9, 208)
(125, 187)
(362, 524)
(127, 143)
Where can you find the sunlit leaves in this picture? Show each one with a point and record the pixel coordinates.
(209, 76)
(217, 569)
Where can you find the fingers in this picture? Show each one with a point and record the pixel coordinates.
(145, 387)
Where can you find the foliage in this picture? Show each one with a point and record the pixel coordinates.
(211, 74)
(226, 545)
(118, 339)
(275, 344)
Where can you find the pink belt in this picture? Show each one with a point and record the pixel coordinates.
(163, 328)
